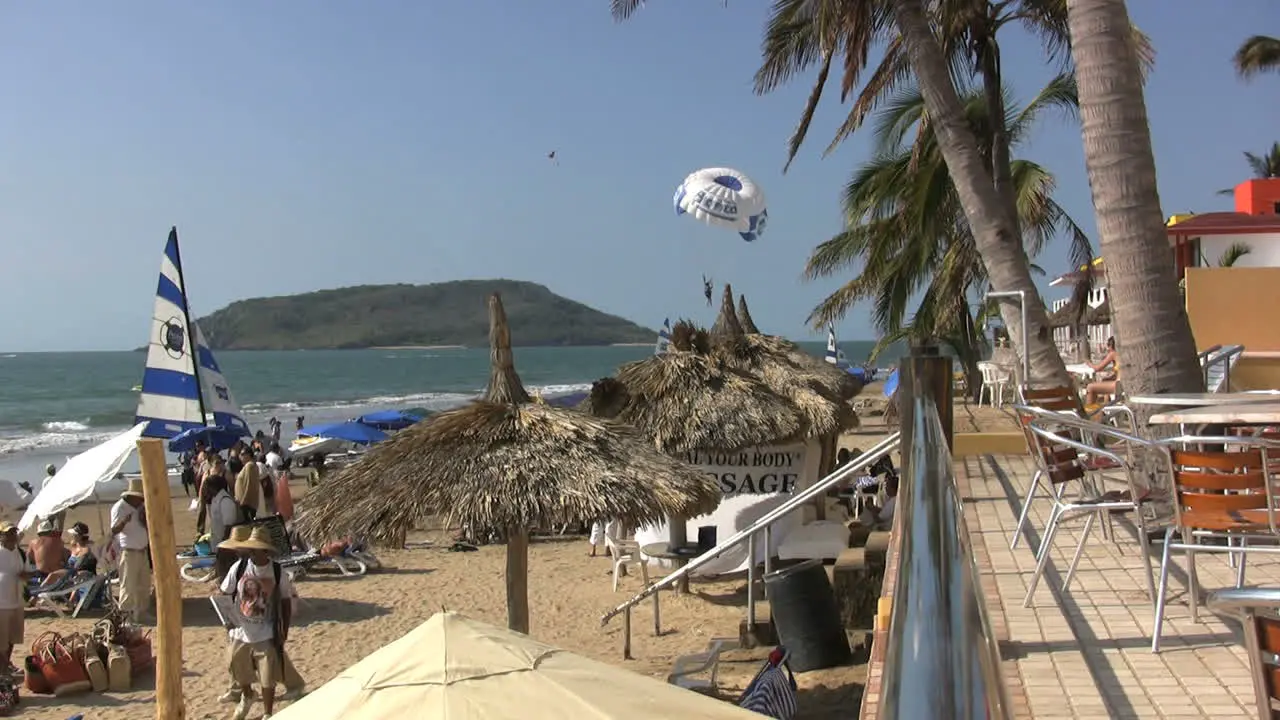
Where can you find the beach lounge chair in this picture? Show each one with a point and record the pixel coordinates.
(772, 692)
(84, 589)
(699, 670)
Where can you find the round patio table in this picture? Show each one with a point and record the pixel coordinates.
(680, 555)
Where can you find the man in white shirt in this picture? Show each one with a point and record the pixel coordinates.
(223, 513)
(275, 460)
(129, 532)
(57, 518)
(263, 594)
(13, 571)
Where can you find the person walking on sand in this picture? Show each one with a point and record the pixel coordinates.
(264, 595)
(129, 532)
(294, 686)
(248, 489)
(13, 572)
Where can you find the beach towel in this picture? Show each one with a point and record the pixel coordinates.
(772, 692)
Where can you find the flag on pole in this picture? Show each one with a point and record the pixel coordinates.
(664, 338)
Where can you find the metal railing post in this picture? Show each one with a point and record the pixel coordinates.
(751, 584)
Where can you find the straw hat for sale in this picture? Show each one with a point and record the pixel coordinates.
(259, 539)
(134, 489)
(239, 535)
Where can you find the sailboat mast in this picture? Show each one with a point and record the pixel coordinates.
(186, 318)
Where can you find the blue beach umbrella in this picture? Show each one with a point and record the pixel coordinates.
(217, 437)
(891, 384)
(389, 419)
(352, 432)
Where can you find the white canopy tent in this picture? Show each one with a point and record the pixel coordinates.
(80, 477)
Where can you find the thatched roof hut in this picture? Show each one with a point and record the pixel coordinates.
(1069, 315)
(1099, 315)
(687, 399)
(744, 317)
(506, 463)
(821, 390)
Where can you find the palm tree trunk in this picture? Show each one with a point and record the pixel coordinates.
(1001, 156)
(1153, 334)
(995, 234)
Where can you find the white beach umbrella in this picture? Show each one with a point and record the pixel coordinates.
(454, 668)
(77, 480)
(13, 497)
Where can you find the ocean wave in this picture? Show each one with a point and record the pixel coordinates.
(27, 443)
(96, 429)
(66, 426)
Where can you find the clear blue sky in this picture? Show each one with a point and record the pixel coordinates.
(306, 145)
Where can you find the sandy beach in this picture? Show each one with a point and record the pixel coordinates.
(340, 620)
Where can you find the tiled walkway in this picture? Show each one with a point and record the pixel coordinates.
(1085, 652)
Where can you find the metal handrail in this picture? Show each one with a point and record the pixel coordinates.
(1219, 355)
(865, 460)
(942, 659)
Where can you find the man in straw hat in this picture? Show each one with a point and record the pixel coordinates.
(294, 686)
(48, 552)
(129, 532)
(263, 594)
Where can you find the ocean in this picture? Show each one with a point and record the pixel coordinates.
(53, 405)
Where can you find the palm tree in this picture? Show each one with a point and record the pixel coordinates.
(1266, 165)
(804, 33)
(1258, 54)
(907, 229)
(1150, 319)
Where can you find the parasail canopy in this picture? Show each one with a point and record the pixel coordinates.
(726, 198)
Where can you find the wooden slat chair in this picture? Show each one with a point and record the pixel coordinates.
(1218, 494)
(1067, 449)
(1061, 399)
(1257, 609)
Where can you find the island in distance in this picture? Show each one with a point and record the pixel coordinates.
(441, 314)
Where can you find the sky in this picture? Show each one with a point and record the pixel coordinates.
(300, 146)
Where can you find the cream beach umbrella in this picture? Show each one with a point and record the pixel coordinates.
(454, 668)
(506, 464)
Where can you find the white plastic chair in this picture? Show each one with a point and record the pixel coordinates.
(994, 380)
(627, 553)
(700, 671)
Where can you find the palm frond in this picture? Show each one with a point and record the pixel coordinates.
(1257, 55)
(1232, 254)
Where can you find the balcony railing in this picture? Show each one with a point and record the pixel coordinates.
(942, 659)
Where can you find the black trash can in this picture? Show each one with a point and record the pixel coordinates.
(806, 616)
(706, 538)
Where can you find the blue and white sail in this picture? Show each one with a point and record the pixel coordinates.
(833, 349)
(664, 338)
(178, 393)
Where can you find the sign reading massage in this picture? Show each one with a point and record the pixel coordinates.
(754, 471)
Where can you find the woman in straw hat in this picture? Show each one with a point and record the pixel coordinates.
(263, 594)
(129, 532)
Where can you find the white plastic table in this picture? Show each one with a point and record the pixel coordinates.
(1248, 413)
(1203, 399)
(1080, 369)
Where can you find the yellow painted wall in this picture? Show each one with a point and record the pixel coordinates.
(1235, 306)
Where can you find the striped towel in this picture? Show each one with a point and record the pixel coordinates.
(773, 691)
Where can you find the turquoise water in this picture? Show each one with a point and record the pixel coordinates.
(56, 404)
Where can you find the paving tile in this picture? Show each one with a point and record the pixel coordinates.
(1084, 652)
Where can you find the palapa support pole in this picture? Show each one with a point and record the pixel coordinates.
(518, 580)
(505, 387)
(155, 489)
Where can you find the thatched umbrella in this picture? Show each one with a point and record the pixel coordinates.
(686, 399)
(508, 464)
(744, 317)
(1068, 315)
(1100, 315)
(821, 390)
